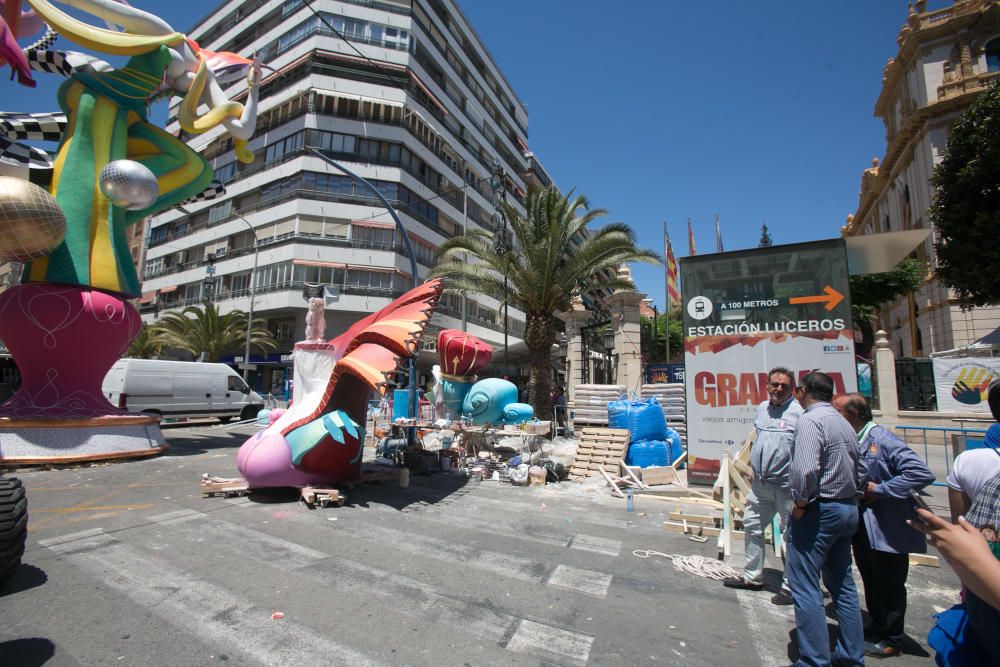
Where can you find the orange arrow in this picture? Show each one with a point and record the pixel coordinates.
(829, 296)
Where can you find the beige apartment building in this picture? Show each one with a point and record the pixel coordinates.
(946, 58)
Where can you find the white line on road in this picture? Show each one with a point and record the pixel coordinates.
(599, 545)
(585, 581)
(552, 645)
(208, 611)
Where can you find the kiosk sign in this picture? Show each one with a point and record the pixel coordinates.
(747, 312)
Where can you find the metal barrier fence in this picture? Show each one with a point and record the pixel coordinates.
(938, 445)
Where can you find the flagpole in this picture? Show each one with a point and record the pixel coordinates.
(666, 291)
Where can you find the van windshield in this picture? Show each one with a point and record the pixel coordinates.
(236, 383)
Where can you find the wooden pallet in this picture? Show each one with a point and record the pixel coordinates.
(599, 447)
(227, 487)
(312, 497)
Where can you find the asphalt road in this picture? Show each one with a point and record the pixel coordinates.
(128, 564)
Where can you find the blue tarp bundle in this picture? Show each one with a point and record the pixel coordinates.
(643, 418)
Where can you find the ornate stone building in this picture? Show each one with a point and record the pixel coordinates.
(946, 58)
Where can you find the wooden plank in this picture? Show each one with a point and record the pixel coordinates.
(615, 491)
(928, 560)
(631, 475)
(660, 475)
(696, 518)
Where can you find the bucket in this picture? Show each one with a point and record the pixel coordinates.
(445, 463)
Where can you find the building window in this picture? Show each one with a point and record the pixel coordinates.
(220, 212)
(993, 56)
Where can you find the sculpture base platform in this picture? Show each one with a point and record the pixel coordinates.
(27, 441)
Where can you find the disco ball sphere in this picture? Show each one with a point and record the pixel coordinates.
(129, 185)
(31, 222)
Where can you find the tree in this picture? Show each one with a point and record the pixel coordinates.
(201, 330)
(871, 290)
(553, 261)
(966, 209)
(145, 345)
(655, 351)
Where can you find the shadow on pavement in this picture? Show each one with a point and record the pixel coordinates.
(26, 652)
(27, 576)
(432, 489)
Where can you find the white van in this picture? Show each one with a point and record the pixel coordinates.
(180, 389)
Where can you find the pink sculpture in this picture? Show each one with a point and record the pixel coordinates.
(320, 437)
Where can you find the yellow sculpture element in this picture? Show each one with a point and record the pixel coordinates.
(106, 112)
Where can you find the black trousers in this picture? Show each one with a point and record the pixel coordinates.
(884, 577)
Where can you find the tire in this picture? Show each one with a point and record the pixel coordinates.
(250, 412)
(225, 420)
(13, 525)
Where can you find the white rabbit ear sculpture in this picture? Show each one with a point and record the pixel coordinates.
(315, 321)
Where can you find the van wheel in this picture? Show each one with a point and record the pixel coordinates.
(250, 412)
(13, 525)
(225, 420)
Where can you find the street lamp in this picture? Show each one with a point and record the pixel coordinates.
(412, 389)
(253, 285)
(500, 244)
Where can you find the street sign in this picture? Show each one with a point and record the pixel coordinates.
(249, 367)
(747, 312)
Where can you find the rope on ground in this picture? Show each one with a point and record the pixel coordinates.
(697, 565)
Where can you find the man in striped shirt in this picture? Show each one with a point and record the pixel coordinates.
(825, 479)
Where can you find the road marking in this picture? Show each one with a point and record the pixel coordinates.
(585, 581)
(579, 514)
(598, 545)
(70, 537)
(766, 622)
(262, 547)
(552, 645)
(206, 610)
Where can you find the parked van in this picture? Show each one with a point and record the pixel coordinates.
(180, 389)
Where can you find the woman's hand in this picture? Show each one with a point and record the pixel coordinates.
(966, 550)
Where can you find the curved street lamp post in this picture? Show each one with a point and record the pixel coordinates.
(412, 365)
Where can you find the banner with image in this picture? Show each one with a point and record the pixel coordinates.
(961, 383)
(747, 312)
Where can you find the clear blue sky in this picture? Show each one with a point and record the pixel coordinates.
(662, 110)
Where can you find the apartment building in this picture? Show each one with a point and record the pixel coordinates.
(946, 58)
(401, 92)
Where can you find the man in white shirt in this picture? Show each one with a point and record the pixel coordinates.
(974, 467)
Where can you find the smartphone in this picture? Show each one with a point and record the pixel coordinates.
(919, 500)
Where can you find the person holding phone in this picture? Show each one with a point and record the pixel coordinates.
(970, 546)
(884, 541)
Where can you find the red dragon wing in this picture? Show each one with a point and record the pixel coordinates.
(396, 327)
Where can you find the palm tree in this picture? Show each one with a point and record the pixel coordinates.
(554, 260)
(201, 330)
(145, 345)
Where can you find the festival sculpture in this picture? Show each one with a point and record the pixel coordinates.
(70, 319)
(458, 394)
(319, 439)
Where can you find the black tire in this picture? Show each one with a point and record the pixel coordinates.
(13, 525)
(250, 412)
(225, 420)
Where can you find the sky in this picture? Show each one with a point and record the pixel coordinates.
(661, 110)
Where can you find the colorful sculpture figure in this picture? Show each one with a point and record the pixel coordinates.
(494, 401)
(462, 356)
(70, 320)
(459, 395)
(320, 437)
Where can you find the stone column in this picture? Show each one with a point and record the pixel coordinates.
(575, 320)
(885, 378)
(625, 309)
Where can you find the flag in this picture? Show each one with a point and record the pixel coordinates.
(673, 295)
(691, 250)
(718, 235)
